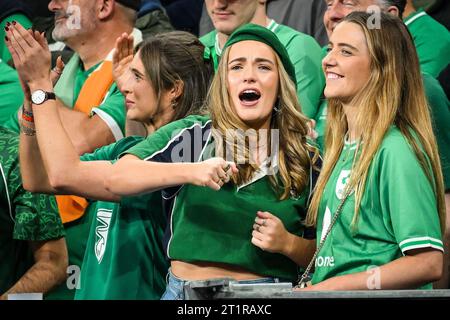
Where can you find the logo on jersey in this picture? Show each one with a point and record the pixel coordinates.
(101, 232)
(324, 261)
(342, 183)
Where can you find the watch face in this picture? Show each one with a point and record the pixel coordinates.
(38, 97)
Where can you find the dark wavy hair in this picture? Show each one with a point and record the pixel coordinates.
(178, 56)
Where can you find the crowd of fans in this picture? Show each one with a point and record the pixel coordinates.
(148, 144)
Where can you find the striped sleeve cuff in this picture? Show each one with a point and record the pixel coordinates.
(421, 242)
(110, 122)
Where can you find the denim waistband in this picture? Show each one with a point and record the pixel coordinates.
(178, 282)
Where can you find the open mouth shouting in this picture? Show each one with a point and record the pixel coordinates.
(249, 97)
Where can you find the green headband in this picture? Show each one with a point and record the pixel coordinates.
(258, 33)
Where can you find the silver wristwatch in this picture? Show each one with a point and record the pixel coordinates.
(40, 96)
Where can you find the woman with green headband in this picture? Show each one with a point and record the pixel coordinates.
(227, 230)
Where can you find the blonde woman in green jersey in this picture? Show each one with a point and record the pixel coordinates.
(227, 232)
(381, 165)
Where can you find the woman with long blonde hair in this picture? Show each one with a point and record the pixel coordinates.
(263, 189)
(379, 201)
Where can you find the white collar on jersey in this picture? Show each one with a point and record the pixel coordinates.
(268, 167)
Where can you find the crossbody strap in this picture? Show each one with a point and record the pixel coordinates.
(302, 281)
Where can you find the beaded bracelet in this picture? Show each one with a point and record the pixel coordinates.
(27, 115)
(28, 131)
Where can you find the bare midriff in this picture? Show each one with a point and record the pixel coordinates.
(210, 270)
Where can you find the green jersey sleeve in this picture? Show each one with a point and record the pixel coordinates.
(408, 197)
(440, 116)
(184, 140)
(306, 56)
(432, 41)
(112, 112)
(112, 151)
(179, 141)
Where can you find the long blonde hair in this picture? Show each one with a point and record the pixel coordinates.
(294, 161)
(393, 95)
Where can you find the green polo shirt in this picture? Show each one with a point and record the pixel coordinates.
(216, 226)
(24, 216)
(111, 110)
(305, 54)
(11, 94)
(124, 258)
(432, 42)
(398, 212)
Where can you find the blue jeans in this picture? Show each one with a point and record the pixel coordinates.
(175, 286)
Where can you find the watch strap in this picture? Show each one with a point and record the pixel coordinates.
(50, 95)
